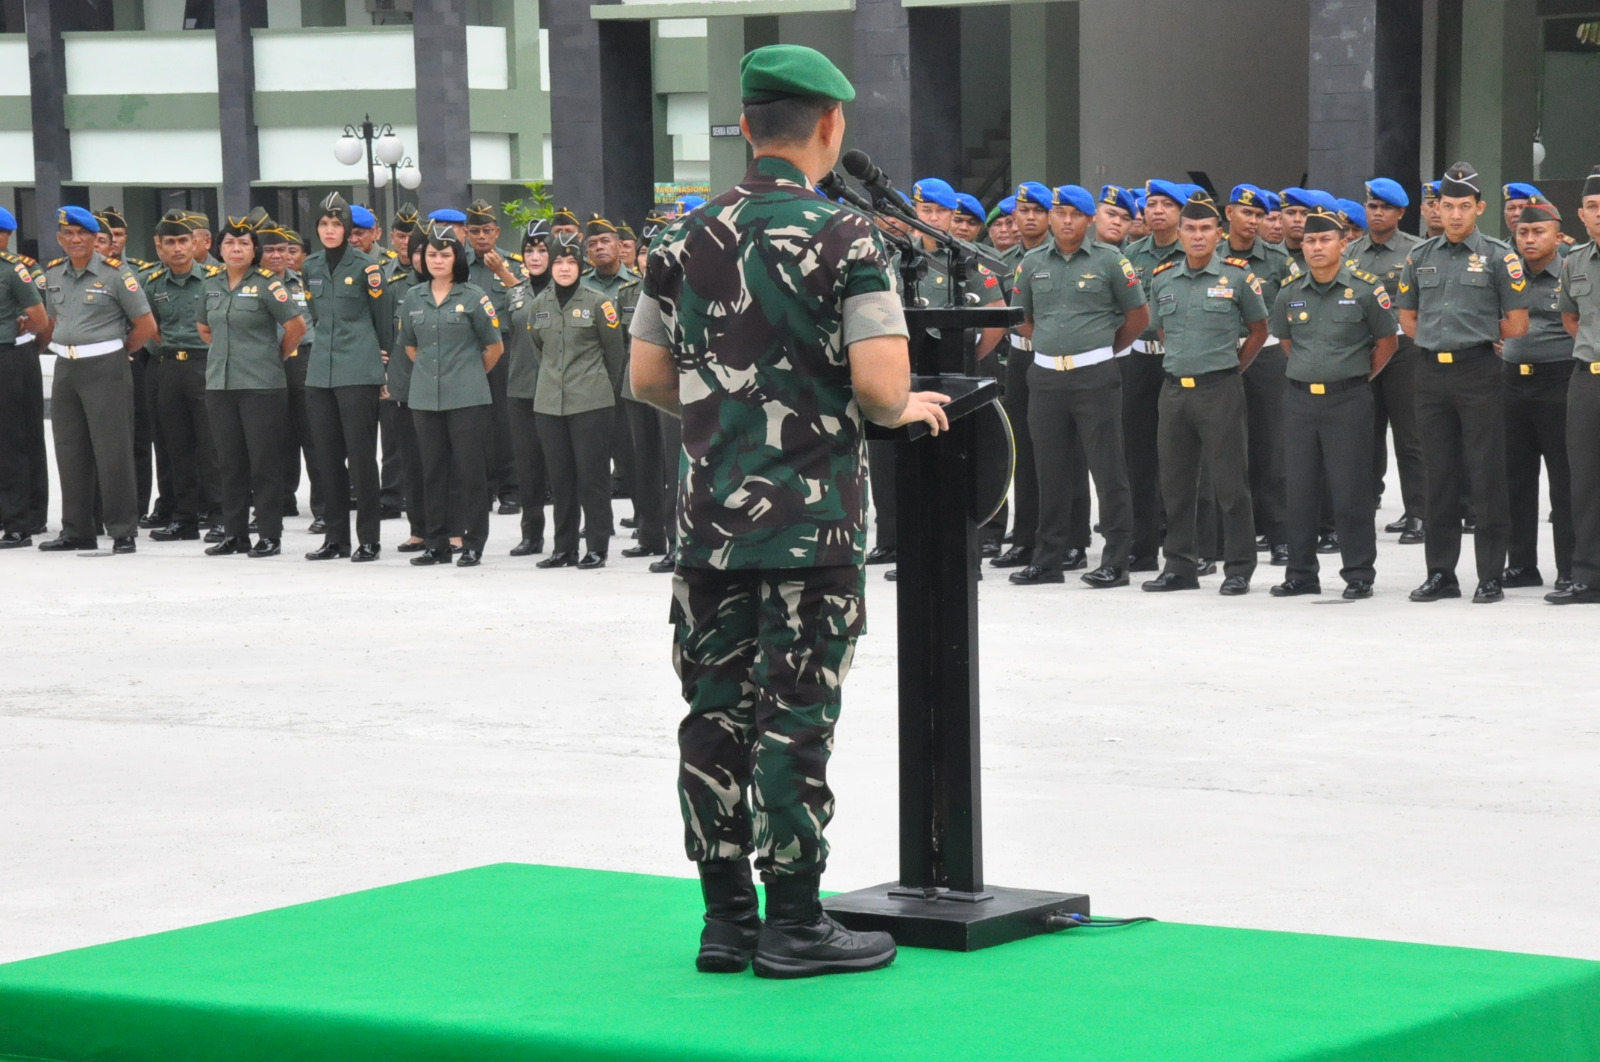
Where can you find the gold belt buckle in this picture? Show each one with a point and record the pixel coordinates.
(1594, 368)
(183, 355)
(1064, 364)
(1186, 381)
(1446, 357)
(1319, 389)
(1525, 369)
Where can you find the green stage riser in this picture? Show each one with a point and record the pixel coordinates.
(532, 963)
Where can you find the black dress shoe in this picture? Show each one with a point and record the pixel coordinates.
(124, 544)
(528, 547)
(367, 551)
(1413, 533)
(1328, 542)
(1280, 555)
(229, 546)
(1516, 578)
(1263, 543)
(1171, 581)
(629, 522)
(1399, 525)
(319, 526)
(1074, 560)
(1206, 566)
(565, 559)
(1563, 582)
(1576, 594)
(666, 564)
(892, 575)
(154, 520)
(470, 558)
(432, 556)
(176, 533)
(15, 540)
(1144, 564)
(329, 551)
(1015, 557)
(1234, 586)
(1105, 577)
(412, 547)
(1033, 575)
(642, 551)
(510, 508)
(989, 548)
(215, 534)
(1488, 592)
(266, 547)
(253, 528)
(592, 560)
(1437, 587)
(1469, 525)
(1296, 588)
(63, 544)
(881, 555)
(389, 513)
(1357, 590)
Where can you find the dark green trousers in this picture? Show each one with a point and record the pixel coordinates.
(1206, 423)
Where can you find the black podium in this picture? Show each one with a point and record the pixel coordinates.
(946, 485)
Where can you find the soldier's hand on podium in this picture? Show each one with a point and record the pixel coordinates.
(926, 407)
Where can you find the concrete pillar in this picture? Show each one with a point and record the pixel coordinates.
(236, 83)
(907, 67)
(602, 112)
(444, 112)
(1365, 93)
(47, 83)
(1045, 94)
(727, 40)
(1499, 111)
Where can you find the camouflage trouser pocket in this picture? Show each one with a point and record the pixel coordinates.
(762, 656)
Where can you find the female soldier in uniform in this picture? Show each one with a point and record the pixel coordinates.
(521, 385)
(247, 393)
(578, 338)
(451, 334)
(353, 314)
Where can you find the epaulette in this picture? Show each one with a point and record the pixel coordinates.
(1242, 263)
(212, 271)
(263, 272)
(7, 256)
(156, 275)
(1568, 240)
(1363, 276)
(54, 262)
(25, 260)
(1291, 278)
(1164, 266)
(514, 256)
(391, 254)
(114, 263)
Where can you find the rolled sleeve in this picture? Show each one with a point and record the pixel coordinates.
(866, 316)
(648, 324)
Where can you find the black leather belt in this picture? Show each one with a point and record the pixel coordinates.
(183, 355)
(1199, 378)
(1332, 387)
(1471, 352)
(1540, 368)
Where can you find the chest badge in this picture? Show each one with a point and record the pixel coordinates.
(349, 280)
(1304, 316)
(577, 313)
(460, 308)
(1349, 293)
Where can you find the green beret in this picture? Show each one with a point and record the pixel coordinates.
(783, 71)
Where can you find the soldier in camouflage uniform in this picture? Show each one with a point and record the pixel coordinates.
(770, 323)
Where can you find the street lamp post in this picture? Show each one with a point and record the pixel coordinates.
(379, 146)
(403, 173)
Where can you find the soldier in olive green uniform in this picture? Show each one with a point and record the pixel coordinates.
(522, 385)
(610, 275)
(277, 253)
(1200, 302)
(1580, 312)
(100, 314)
(147, 441)
(177, 297)
(496, 272)
(397, 391)
(1459, 294)
(451, 333)
(1083, 304)
(353, 314)
(251, 324)
(577, 335)
(1382, 252)
(1337, 327)
(21, 386)
(767, 600)
(1143, 377)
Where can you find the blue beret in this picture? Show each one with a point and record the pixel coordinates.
(1074, 196)
(8, 221)
(1520, 190)
(1271, 201)
(1139, 196)
(690, 203)
(1354, 212)
(933, 190)
(1387, 191)
(448, 215)
(1035, 193)
(361, 217)
(1247, 195)
(970, 205)
(1114, 195)
(1173, 191)
(1192, 190)
(1430, 190)
(1007, 206)
(77, 215)
(1308, 199)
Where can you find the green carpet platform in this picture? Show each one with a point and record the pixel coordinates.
(532, 963)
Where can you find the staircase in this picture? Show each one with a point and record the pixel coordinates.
(987, 170)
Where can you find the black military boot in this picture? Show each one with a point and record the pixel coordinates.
(799, 940)
(733, 917)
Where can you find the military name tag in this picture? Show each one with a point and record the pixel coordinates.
(1219, 293)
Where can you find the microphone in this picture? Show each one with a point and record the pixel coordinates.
(859, 164)
(834, 187)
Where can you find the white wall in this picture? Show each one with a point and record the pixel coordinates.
(689, 126)
(16, 156)
(491, 156)
(146, 156)
(313, 61)
(1162, 91)
(14, 66)
(104, 64)
(488, 63)
(304, 155)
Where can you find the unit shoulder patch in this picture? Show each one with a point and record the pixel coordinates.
(610, 311)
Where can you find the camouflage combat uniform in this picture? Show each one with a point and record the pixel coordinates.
(757, 295)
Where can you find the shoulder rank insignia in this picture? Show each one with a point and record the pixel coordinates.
(157, 275)
(391, 254)
(1242, 263)
(263, 272)
(54, 262)
(7, 256)
(114, 263)
(1164, 266)
(212, 271)
(514, 256)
